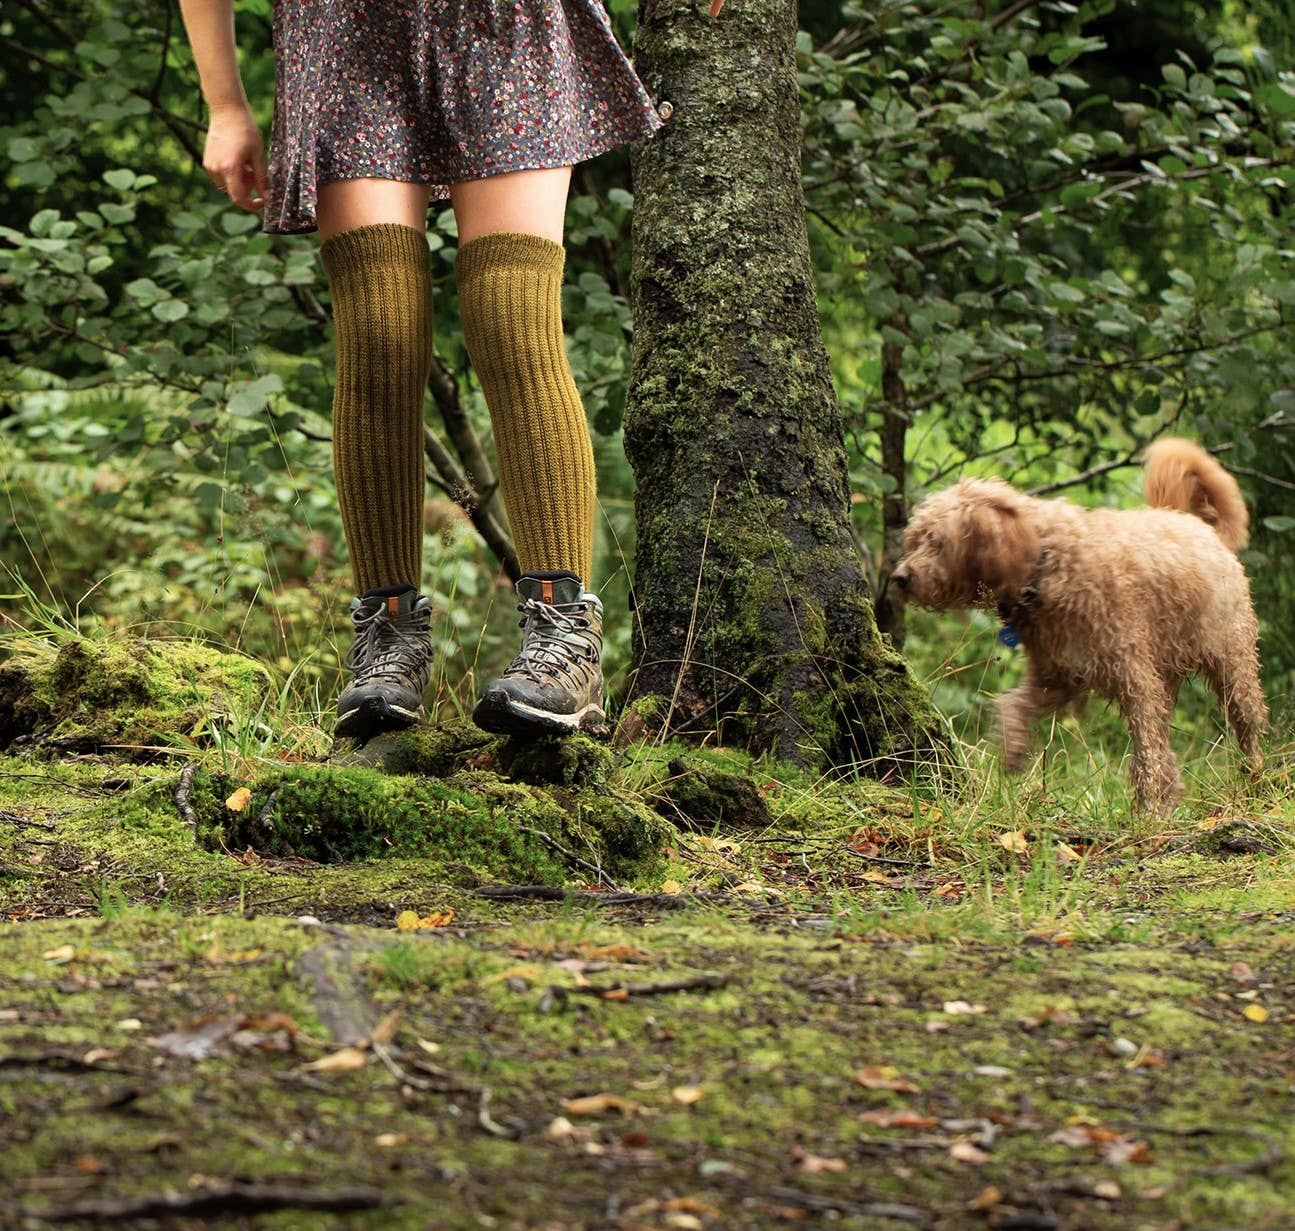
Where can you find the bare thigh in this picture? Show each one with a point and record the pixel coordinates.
(348, 204)
(525, 202)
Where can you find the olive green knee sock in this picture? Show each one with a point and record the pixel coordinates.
(510, 297)
(382, 311)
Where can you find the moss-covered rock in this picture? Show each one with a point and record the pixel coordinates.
(704, 797)
(475, 820)
(124, 696)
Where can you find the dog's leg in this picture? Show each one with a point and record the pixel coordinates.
(1019, 709)
(1236, 681)
(1148, 705)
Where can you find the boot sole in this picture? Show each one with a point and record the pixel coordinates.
(373, 716)
(505, 717)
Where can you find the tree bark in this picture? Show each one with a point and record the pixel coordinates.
(894, 506)
(753, 620)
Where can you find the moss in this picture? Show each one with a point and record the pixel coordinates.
(432, 751)
(704, 797)
(577, 762)
(125, 695)
(474, 820)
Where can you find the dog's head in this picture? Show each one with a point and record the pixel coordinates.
(971, 545)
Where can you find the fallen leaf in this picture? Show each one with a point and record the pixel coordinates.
(687, 1095)
(129, 1023)
(1255, 1013)
(671, 886)
(391, 1139)
(429, 1047)
(1123, 1150)
(684, 1221)
(1014, 840)
(515, 972)
(882, 1077)
(965, 1152)
(385, 1030)
(878, 878)
(601, 1104)
(238, 800)
(412, 921)
(96, 1054)
(884, 1118)
(1108, 1190)
(343, 1061)
(616, 993)
(64, 953)
(693, 1205)
(560, 1128)
(89, 1165)
(1241, 972)
(1066, 854)
(615, 952)
(815, 1164)
(956, 1008)
(207, 1036)
(989, 1197)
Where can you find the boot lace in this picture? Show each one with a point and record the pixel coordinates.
(383, 645)
(551, 644)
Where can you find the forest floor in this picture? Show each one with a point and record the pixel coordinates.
(824, 1003)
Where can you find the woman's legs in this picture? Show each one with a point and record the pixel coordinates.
(375, 254)
(509, 267)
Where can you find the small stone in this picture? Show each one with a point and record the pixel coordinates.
(1123, 1047)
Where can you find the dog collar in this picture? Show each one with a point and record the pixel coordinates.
(1008, 636)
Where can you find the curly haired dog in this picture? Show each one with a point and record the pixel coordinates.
(1124, 603)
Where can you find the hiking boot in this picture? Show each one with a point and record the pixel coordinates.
(555, 684)
(392, 662)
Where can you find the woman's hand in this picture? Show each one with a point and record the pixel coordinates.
(234, 157)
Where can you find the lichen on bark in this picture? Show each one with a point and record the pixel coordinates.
(753, 619)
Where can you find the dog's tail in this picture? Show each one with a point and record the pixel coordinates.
(1181, 475)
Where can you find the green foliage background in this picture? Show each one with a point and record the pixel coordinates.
(1061, 229)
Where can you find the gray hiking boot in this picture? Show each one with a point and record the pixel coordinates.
(392, 662)
(555, 684)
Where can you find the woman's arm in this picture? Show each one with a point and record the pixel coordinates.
(234, 157)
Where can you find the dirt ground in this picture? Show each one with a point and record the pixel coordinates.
(856, 1008)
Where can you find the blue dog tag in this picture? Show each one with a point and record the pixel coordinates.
(1009, 637)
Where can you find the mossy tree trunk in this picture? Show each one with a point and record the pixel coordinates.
(754, 619)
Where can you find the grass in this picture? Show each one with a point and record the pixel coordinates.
(1017, 1001)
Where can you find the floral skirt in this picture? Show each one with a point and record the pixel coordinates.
(441, 92)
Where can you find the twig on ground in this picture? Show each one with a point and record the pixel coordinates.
(227, 1198)
(484, 1118)
(263, 825)
(550, 893)
(600, 876)
(183, 794)
(896, 863)
(873, 1209)
(24, 822)
(619, 991)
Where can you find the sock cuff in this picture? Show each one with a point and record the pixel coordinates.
(349, 255)
(509, 250)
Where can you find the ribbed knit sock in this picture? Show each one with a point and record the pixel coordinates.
(510, 297)
(382, 312)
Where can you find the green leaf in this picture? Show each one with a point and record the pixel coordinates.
(122, 179)
(170, 310)
(250, 398)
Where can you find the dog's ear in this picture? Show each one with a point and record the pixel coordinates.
(1000, 545)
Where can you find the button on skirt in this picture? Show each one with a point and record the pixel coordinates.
(441, 92)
